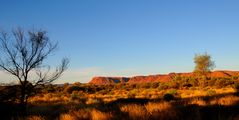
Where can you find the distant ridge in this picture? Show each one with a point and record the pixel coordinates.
(156, 78)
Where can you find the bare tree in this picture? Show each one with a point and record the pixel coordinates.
(23, 54)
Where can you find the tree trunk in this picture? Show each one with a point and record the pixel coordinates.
(23, 103)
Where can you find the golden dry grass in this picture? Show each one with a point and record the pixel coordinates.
(67, 117)
(83, 114)
(151, 110)
(98, 115)
(35, 118)
(226, 101)
(198, 101)
(32, 117)
(89, 109)
(49, 97)
(135, 112)
(162, 111)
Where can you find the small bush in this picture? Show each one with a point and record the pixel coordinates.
(223, 82)
(211, 92)
(146, 85)
(70, 89)
(236, 87)
(172, 92)
(235, 77)
(163, 86)
(74, 96)
(174, 85)
(154, 85)
(168, 97)
(131, 95)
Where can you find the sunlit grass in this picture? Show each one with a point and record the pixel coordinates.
(133, 102)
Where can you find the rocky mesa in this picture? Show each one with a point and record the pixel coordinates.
(155, 78)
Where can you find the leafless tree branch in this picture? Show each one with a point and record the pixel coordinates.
(24, 52)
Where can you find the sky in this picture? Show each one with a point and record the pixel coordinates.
(130, 37)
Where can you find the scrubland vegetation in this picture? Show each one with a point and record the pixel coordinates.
(197, 97)
(180, 99)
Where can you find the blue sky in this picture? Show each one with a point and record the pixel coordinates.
(130, 37)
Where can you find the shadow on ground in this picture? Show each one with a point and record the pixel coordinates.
(185, 111)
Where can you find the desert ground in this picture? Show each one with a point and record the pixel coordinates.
(183, 97)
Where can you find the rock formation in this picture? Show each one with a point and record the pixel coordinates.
(155, 78)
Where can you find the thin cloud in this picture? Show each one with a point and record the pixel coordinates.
(84, 75)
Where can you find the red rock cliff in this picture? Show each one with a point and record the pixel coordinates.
(155, 78)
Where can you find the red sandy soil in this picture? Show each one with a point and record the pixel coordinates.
(156, 78)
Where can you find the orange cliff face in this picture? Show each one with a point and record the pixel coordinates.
(109, 80)
(155, 78)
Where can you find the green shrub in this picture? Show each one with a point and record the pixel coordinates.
(177, 78)
(70, 89)
(49, 89)
(236, 87)
(211, 92)
(130, 86)
(131, 95)
(74, 96)
(163, 86)
(138, 85)
(172, 92)
(146, 85)
(236, 77)
(154, 85)
(223, 82)
(168, 97)
(174, 85)
(103, 92)
(211, 82)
